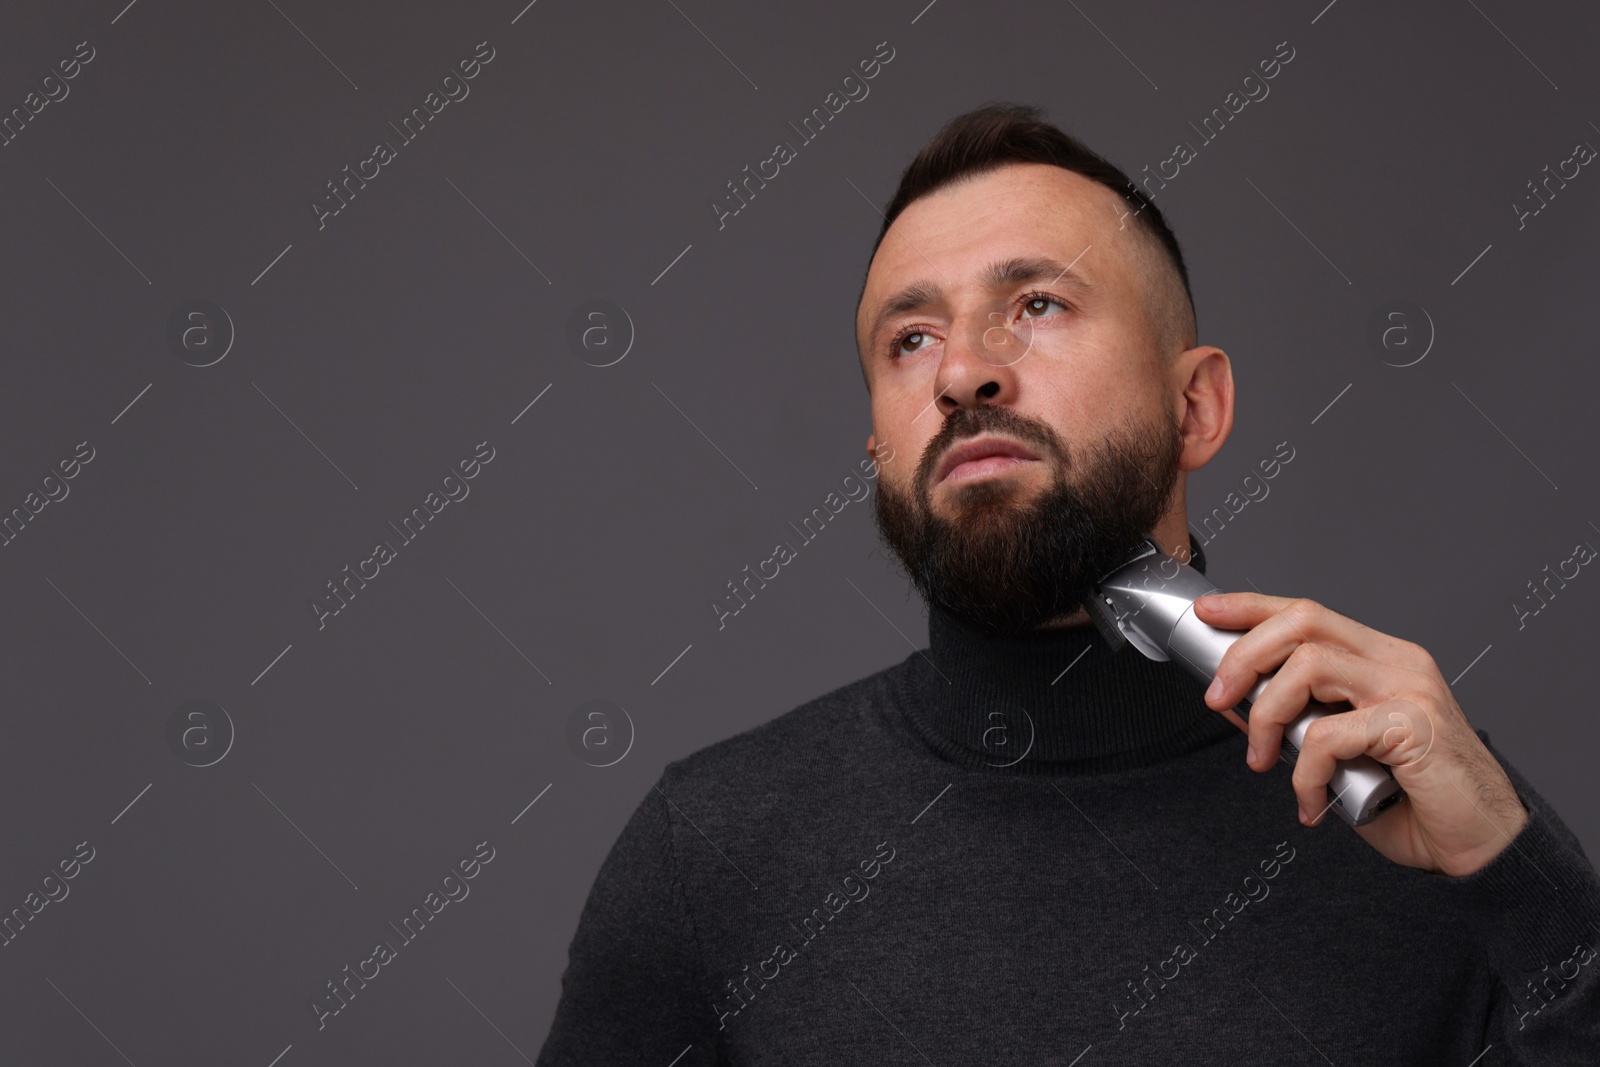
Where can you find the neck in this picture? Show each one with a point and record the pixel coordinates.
(1057, 700)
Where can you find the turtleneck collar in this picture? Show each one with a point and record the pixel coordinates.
(1053, 701)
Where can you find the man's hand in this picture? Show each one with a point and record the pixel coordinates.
(1460, 809)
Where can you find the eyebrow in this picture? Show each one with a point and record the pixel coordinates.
(1001, 274)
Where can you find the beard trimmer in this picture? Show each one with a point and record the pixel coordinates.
(1148, 602)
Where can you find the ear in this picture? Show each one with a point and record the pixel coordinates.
(872, 446)
(1204, 395)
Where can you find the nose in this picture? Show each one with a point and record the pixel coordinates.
(976, 368)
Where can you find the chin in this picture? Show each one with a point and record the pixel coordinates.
(992, 488)
(978, 504)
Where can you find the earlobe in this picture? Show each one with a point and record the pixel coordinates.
(872, 446)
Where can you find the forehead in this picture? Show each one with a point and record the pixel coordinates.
(1026, 209)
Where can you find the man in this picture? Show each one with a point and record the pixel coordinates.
(1019, 846)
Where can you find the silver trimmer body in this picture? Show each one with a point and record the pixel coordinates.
(1148, 602)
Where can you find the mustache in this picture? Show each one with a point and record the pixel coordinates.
(971, 422)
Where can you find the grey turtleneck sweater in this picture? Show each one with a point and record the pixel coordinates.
(1040, 851)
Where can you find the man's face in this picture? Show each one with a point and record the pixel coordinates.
(1053, 361)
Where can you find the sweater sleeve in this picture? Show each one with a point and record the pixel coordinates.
(1536, 910)
(633, 991)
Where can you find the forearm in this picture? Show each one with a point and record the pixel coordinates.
(1535, 909)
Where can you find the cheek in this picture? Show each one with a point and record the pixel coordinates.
(894, 472)
(903, 422)
(1088, 388)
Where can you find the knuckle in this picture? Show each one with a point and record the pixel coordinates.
(1304, 658)
(1304, 609)
(1318, 734)
(1419, 702)
(1418, 658)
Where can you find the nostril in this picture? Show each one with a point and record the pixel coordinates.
(988, 389)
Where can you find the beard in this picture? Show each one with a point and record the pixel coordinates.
(1008, 567)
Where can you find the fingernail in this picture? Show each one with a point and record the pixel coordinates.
(1211, 602)
(1215, 689)
(1305, 816)
(1250, 754)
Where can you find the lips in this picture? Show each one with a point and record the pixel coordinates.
(987, 446)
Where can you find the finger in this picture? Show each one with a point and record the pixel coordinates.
(1273, 627)
(1332, 738)
(1409, 735)
(1327, 674)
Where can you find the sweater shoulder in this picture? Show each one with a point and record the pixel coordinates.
(816, 740)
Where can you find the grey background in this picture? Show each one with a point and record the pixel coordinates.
(379, 351)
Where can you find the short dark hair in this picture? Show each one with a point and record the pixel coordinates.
(998, 134)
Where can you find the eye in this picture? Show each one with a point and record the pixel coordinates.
(1034, 305)
(914, 337)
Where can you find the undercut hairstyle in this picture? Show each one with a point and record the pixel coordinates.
(999, 134)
